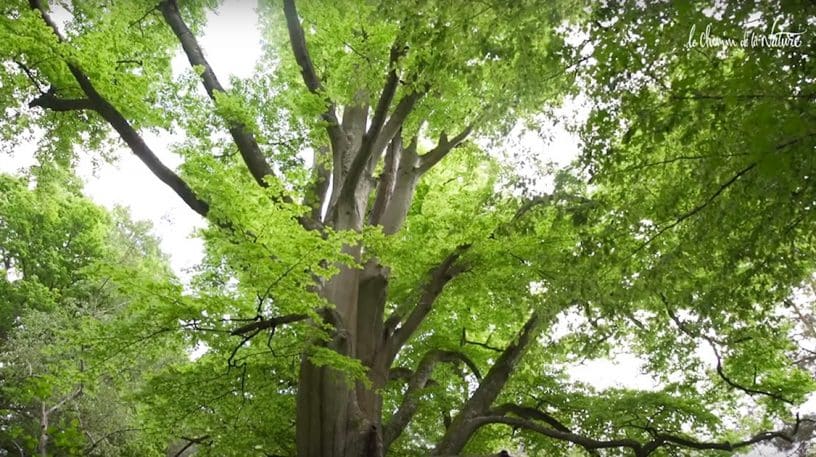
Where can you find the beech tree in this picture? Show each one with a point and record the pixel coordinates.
(377, 282)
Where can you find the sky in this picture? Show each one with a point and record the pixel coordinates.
(231, 42)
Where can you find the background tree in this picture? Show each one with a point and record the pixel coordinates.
(63, 391)
(385, 292)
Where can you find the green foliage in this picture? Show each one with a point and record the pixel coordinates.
(678, 236)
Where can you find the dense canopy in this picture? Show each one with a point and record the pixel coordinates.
(389, 269)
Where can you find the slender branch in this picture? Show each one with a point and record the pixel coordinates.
(713, 343)
(268, 323)
(440, 276)
(699, 207)
(485, 345)
(190, 443)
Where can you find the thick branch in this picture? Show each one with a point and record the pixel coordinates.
(527, 412)
(464, 424)
(244, 139)
(387, 95)
(385, 186)
(126, 131)
(442, 149)
(418, 380)
(50, 101)
(440, 276)
(310, 78)
(268, 323)
(373, 147)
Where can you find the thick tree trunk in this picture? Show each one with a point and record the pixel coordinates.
(335, 416)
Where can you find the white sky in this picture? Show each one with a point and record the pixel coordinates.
(231, 42)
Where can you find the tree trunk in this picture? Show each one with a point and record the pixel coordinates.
(335, 416)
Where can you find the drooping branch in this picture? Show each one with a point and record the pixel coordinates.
(243, 138)
(416, 382)
(307, 70)
(640, 449)
(440, 276)
(583, 441)
(432, 157)
(128, 134)
(465, 423)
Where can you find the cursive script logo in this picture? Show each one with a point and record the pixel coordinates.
(750, 39)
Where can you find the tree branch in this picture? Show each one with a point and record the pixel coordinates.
(126, 131)
(268, 323)
(527, 412)
(699, 207)
(243, 138)
(385, 186)
(417, 381)
(432, 157)
(307, 70)
(373, 147)
(713, 343)
(463, 425)
(51, 102)
(440, 276)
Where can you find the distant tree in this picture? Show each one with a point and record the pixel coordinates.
(59, 393)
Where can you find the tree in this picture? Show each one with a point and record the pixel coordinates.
(408, 307)
(61, 392)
